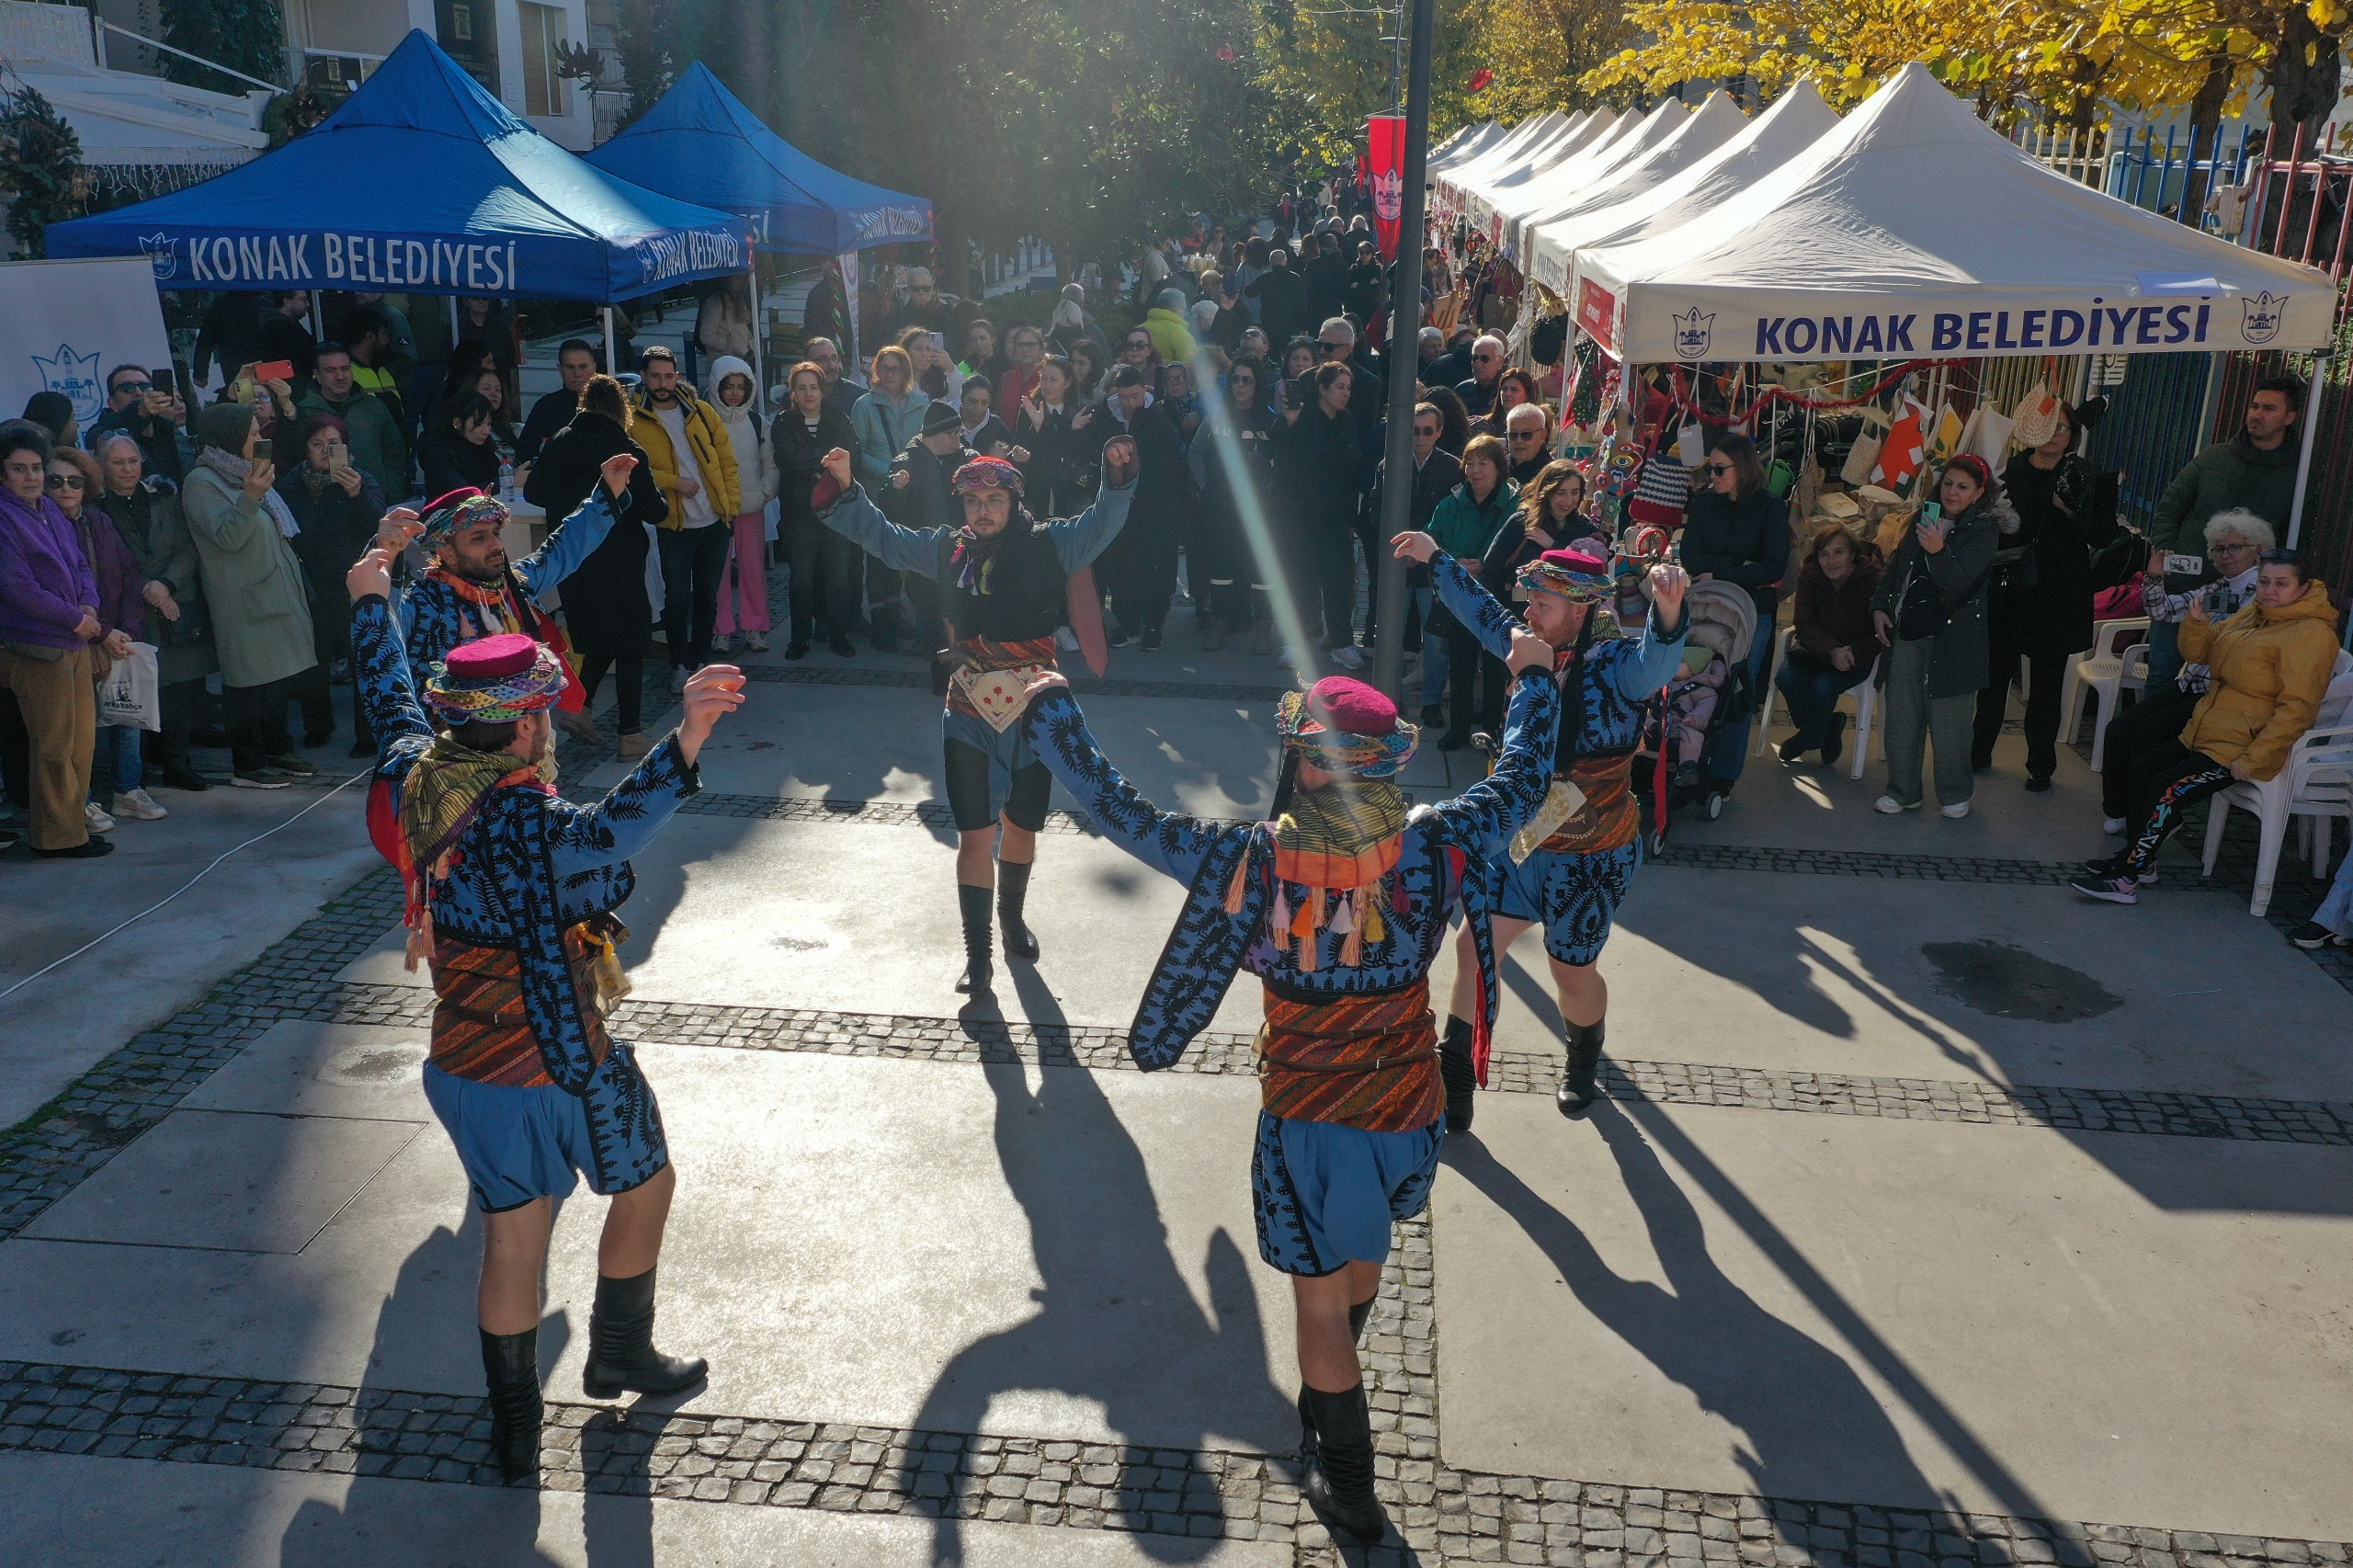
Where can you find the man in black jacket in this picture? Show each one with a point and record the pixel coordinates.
(1282, 300)
(575, 362)
(1326, 276)
(1141, 563)
(1434, 473)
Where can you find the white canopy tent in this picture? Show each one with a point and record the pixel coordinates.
(1632, 136)
(1466, 143)
(1505, 153)
(1481, 198)
(1795, 121)
(1912, 228)
(1699, 134)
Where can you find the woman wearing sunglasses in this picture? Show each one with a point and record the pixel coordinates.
(1736, 529)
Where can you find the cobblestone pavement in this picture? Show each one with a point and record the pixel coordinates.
(770, 1460)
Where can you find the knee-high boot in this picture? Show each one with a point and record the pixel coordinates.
(1457, 1072)
(1012, 893)
(511, 1363)
(979, 972)
(1578, 1089)
(1339, 1479)
(621, 1343)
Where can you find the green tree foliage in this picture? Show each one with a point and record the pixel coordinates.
(40, 162)
(244, 35)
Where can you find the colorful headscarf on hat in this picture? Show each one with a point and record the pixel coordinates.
(459, 508)
(495, 680)
(1572, 574)
(986, 474)
(1316, 725)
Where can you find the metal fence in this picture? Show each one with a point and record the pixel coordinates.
(2156, 174)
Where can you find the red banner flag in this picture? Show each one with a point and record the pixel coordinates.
(1385, 163)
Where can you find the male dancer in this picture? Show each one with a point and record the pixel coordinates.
(1338, 905)
(1004, 579)
(511, 891)
(1571, 866)
(471, 590)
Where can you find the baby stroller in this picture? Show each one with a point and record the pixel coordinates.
(1709, 693)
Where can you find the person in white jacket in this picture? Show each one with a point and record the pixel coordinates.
(744, 589)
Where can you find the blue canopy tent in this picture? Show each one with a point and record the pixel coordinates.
(421, 183)
(701, 144)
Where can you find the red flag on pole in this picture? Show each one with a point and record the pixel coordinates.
(1481, 78)
(1385, 163)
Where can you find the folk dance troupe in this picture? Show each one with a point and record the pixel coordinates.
(1339, 904)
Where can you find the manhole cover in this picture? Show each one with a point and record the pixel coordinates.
(2010, 983)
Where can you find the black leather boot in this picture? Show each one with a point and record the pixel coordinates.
(511, 1363)
(1457, 1073)
(620, 1344)
(979, 973)
(1360, 1313)
(1339, 1479)
(1012, 893)
(1578, 1090)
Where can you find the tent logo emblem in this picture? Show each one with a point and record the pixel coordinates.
(1388, 195)
(158, 249)
(75, 375)
(2262, 317)
(1692, 332)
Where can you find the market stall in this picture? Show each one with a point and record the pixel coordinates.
(1603, 190)
(420, 182)
(1505, 153)
(1483, 199)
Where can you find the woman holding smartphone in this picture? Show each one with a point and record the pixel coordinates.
(1930, 616)
(336, 507)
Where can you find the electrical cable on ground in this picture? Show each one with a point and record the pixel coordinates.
(256, 838)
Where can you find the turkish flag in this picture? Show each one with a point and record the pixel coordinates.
(1384, 167)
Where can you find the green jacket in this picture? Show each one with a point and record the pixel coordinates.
(253, 581)
(1463, 529)
(374, 436)
(2226, 474)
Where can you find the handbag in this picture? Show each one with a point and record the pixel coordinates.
(1920, 611)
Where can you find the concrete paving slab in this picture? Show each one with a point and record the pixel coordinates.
(298, 1067)
(58, 1027)
(862, 917)
(90, 1513)
(236, 1182)
(2015, 985)
(948, 1246)
(1813, 807)
(1892, 1312)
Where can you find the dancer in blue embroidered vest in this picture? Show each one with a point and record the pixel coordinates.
(473, 590)
(1008, 583)
(1338, 906)
(1572, 865)
(511, 891)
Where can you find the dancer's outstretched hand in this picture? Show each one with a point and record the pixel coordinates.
(372, 574)
(712, 691)
(1414, 547)
(837, 463)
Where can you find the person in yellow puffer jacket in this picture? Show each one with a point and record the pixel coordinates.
(2271, 664)
(688, 448)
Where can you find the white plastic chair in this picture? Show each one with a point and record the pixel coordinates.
(2101, 669)
(2316, 784)
(1866, 696)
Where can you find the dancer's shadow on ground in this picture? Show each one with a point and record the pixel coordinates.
(1116, 1322)
(486, 1525)
(1812, 1428)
